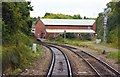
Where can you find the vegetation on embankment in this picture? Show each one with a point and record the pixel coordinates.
(114, 55)
(17, 39)
(79, 42)
(113, 25)
(76, 41)
(19, 56)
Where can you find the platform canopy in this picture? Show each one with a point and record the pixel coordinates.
(80, 22)
(69, 31)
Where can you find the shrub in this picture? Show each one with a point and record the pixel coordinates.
(17, 55)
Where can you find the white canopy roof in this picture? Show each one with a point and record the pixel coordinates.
(79, 22)
(69, 31)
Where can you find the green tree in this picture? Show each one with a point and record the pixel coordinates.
(16, 29)
(15, 16)
(61, 16)
(77, 16)
(99, 23)
(47, 14)
(113, 24)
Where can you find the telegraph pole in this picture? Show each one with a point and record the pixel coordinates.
(105, 16)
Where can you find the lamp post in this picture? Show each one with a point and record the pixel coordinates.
(105, 16)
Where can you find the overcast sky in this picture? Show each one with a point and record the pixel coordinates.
(88, 8)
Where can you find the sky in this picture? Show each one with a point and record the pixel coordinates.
(88, 8)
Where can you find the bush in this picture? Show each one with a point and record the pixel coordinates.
(85, 37)
(17, 55)
(70, 35)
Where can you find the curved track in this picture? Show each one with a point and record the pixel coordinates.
(60, 65)
(101, 68)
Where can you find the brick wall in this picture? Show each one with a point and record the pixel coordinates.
(40, 30)
(94, 27)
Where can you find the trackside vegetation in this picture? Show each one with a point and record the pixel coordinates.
(113, 25)
(17, 39)
(76, 41)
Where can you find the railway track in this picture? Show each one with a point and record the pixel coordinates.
(60, 65)
(101, 68)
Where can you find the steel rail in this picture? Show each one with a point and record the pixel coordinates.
(67, 61)
(105, 64)
(52, 65)
(92, 67)
(49, 72)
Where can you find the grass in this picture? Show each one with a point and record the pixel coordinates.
(16, 71)
(30, 63)
(39, 51)
(77, 42)
(20, 56)
(114, 55)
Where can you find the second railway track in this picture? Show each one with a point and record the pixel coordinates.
(101, 68)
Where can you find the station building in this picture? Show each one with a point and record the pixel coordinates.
(46, 28)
